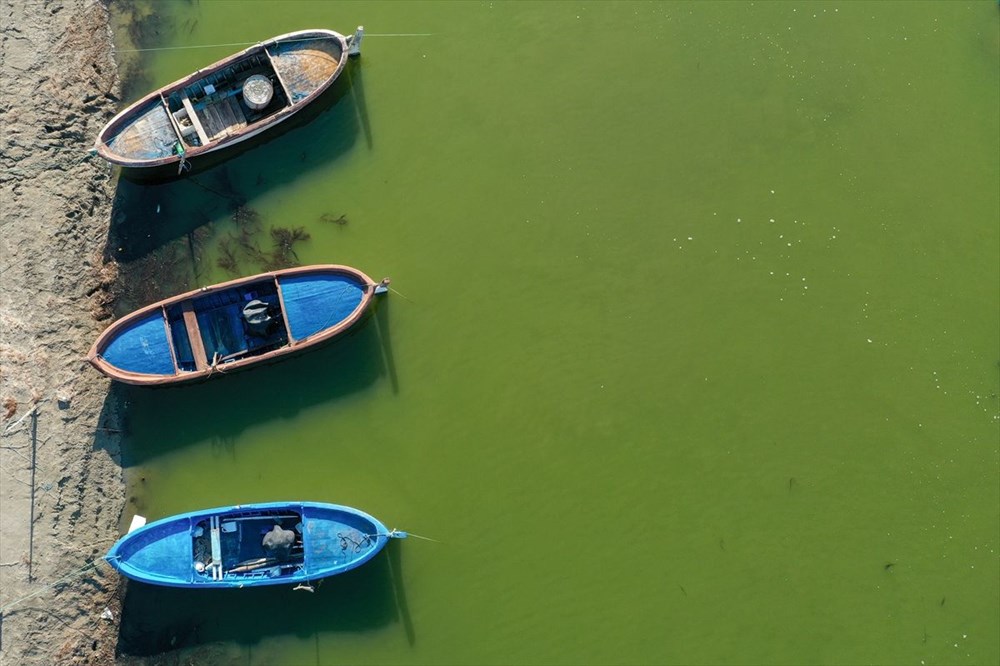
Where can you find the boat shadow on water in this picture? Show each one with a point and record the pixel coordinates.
(150, 212)
(158, 620)
(155, 421)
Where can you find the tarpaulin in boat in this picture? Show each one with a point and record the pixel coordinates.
(162, 554)
(317, 302)
(142, 347)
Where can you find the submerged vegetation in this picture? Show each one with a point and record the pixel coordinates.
(241, 247)
(284, 246)
(339, 220)
(162, 273)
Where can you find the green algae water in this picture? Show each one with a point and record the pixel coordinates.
(694, 353)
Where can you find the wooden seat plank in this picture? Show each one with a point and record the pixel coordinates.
(195, 120)
(194, 335)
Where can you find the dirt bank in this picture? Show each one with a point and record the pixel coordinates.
(58, 86)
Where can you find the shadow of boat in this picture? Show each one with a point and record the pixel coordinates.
(148, 213)
(158, 620)
(156, 421)
(356, 81)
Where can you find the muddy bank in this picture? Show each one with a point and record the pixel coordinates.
(61, 489)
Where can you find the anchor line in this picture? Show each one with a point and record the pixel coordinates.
(284, 41)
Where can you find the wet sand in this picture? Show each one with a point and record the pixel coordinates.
(61, 487)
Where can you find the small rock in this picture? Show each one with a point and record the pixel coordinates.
(64, 401)
(107, 615)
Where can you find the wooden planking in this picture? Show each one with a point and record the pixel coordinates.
(194, 335)
(225, 118)
(150, 134)
(195, 120)
(212, 122)
(305, 66)
(237, 110)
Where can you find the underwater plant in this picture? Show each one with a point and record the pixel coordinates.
(339, 220)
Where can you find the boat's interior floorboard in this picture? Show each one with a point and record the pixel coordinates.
(245, 543)
(225, 333)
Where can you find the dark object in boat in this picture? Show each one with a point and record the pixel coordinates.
(226, 102)
(278, 543)
(234, 324)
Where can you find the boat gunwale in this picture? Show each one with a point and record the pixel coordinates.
(294, 345)
(118, 121)
(383, 537)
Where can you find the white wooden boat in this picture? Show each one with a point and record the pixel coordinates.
(227, 102)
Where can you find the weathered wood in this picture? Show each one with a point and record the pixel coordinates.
(212, 122)
(195, 120)
(239, 117)
(305, 64)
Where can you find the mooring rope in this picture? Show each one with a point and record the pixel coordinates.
(417, 536)
(399, 294)
(284, 41)
(62, 580)
(394, 532)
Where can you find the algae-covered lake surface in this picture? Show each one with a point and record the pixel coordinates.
(694, 353)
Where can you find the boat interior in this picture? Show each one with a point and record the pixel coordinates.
(227, 325)
(214, 107)
(237, 546)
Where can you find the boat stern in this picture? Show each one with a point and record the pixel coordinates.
(160, 553)
(141, 135)
(136, 350)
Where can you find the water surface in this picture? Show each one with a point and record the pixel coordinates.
(694, 355)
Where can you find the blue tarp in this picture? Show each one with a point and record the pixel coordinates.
(317, 302)
(337, 539)
(165, 551)
(142, 347)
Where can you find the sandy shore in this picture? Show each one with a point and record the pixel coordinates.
(58, 86)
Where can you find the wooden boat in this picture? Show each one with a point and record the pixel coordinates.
(232, 546)
(235, 324)
(227, 102)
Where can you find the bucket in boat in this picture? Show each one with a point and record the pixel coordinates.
(257, 91)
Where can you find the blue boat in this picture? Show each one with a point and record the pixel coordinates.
(233, 325)
(275, 543)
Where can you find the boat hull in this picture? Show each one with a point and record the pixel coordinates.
(147, 134)
(189, 337)
(334, 539)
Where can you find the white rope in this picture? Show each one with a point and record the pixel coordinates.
(21, 420)
(213, 46)
(65, 578)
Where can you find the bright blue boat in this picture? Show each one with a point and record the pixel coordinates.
(233, 325)
(274, 543)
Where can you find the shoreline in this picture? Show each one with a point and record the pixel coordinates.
(62, 490)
